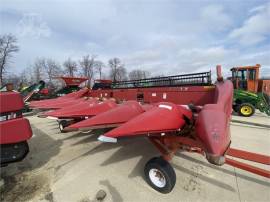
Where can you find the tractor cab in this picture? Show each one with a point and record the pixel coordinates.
(250, 92)
(246, 77)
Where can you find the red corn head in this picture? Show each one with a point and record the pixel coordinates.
(62, 104)
(70, 96)
(111, 118)
(90, 111)
(165, 117)
(71, 108)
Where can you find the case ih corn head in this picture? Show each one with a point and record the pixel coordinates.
(15, 130)
(184, 112)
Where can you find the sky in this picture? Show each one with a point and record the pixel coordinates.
(165, 37)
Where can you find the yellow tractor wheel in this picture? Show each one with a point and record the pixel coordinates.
(246, 109)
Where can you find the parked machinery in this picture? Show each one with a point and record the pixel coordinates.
(15, 130)
(250, 92)
(72, 84)
(184, 112)
(41, 91)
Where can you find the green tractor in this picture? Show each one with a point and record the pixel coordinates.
(250, 92)
(246, 102)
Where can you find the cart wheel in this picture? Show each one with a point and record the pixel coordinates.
(62, 125)
(246, 110)
(160, 175)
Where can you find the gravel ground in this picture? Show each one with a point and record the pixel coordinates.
(63, 167)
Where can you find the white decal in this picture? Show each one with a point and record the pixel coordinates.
(164, 96)
(165, 106)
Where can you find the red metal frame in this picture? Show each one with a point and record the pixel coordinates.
(204, 137)
(15, 130)
(72, 81)
(167, 146)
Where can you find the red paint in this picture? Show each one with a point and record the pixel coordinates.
(115, 116)
(68, 97)
(90, 111)
(84, 104)
(15, 130)
(249, 168)
(10, 102)
(250, 156)
(198, 95)
(162, 118)
(213, 123)
(73, 81)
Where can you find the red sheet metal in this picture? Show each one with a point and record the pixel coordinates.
(90, 111)
(10, 102)
(52, 102)
(113, 117)
(84, 104)
(59, 105)
(15, 130)
(198, 95)
(74, 95)
(213, 122)
(165, 117)
(73, 81)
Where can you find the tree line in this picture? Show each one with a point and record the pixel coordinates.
(48, 68)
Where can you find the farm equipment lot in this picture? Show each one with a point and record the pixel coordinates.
(75, 166)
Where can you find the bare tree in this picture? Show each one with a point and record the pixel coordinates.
(118, 71)
(99, 67)
(138, 74)
(37, 71)
(25, 76)
(8, 46)
(52, 69)
(70, 67)
(12, 78)
(87, 65)
(122, 74)
(47, 68)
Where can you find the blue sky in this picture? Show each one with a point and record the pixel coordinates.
(162, 36)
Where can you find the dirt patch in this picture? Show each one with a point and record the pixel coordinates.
(49, 197)
(24, 187)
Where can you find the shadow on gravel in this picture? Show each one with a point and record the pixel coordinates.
(91, 136)
(128, 148)
(267, 184)
(113, 191)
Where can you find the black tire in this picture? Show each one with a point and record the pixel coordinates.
(62, 124)
(249, 112)
(165, 170)
(235, 108)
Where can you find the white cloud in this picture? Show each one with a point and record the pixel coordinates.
(211, 55)
(215, 18)
(164, 37)
(32, 25)
(141, 58)
(255, 29)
